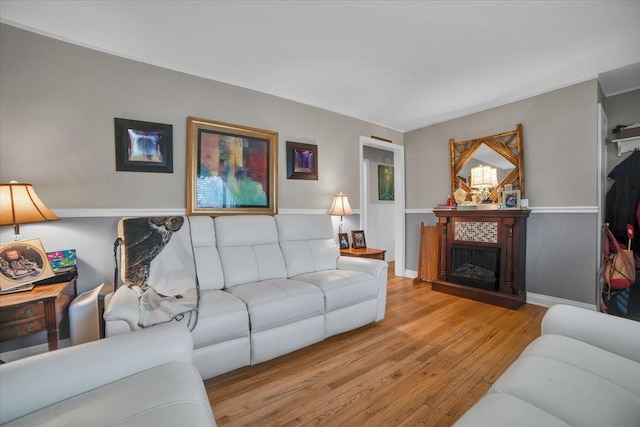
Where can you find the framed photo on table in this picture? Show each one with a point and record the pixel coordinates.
(511, 199)
(231, 169)
(22, 263)
(343, 239)
(359, 241)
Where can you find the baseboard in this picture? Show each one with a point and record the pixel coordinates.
(21, 353)
(412, 274)
(548, 301)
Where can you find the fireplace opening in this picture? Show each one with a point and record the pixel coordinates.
(476, 267)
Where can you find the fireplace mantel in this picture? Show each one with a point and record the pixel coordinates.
(505, 230)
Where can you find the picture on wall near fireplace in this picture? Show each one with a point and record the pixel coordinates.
(231, 169)
(143, 146)
(302, 161)
(511, 199)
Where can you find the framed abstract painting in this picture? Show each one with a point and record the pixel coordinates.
(143, 146)
(302, 161)
(231, 169)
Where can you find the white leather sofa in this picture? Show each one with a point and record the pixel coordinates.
(584, 370)
(268, 286)
(130, 380)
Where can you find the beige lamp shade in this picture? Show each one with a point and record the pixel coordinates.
(19, 204)
(484, 177)
(341, 205)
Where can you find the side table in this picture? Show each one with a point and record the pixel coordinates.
(364, 253)
(42, 308)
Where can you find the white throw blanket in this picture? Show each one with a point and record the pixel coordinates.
(159, 271)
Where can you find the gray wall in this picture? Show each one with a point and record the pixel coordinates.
(57, 109)
(560, 166)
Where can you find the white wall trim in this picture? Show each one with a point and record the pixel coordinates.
(123, 212)
(548, 301)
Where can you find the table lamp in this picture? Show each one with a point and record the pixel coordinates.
(483, 178)
(19, 204)
(340, 207)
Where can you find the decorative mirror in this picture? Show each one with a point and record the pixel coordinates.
(503, 152)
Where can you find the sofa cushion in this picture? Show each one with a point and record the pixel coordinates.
(170, 394)
(277, 302)
(307, 243)
(222, 317)
(249, 249)
(342, 288)
(503, 410)
(575, 382)
(208, 266)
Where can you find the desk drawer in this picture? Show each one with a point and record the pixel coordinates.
(19, 312)
(22, 328)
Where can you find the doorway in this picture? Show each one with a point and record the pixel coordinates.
(398, 225)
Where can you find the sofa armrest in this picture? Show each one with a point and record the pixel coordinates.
(615, 334)
(35, 382)
(378, 269)
(366, 265)
(123, 306)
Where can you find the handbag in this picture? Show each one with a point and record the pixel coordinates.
(619, 266)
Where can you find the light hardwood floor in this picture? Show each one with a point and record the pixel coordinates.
(426, 363)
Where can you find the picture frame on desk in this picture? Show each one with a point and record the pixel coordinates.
(343, 239)
(359, 242)
(22, 263)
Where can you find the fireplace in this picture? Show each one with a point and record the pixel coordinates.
(475, 266)
(482, 255)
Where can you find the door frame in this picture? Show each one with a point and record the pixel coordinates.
(399, 203)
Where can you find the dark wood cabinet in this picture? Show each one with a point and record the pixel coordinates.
(483, 255)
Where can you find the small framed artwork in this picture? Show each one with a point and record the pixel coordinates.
(511, 199)
(343, 238)
(359, 241)
(385, 183)
(143, 146)
(508, 187)
(231, 169)
(23, 262)
(302, 161)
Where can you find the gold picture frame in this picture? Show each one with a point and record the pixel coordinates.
(23, 262)
(231, 169)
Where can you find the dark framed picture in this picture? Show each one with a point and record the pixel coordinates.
(359, 241)
(385, 182)
(343, 238)
(302, 161)
(231, 169)
(23, 262)
(143, 146)
(511, 199)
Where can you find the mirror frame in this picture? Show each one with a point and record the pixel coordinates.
(507, 144)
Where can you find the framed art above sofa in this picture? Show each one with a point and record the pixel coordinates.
(231, 169)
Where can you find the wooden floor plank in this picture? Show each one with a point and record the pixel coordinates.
(426, 363)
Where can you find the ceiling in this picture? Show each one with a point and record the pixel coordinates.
(400, 64)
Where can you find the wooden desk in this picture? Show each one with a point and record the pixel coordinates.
(364, 253)
(42, 308)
